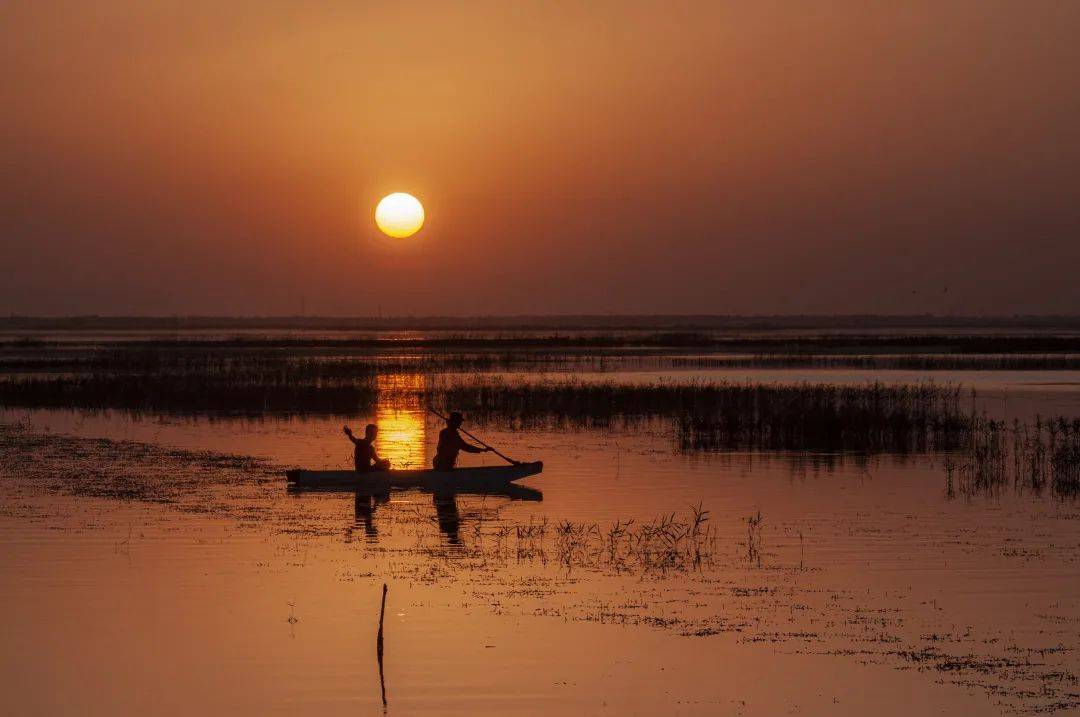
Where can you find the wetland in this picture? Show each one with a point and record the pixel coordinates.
(731, 522)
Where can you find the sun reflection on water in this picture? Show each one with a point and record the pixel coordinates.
(400, 418)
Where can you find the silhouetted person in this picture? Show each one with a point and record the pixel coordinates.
(450, 443)
(365, 458)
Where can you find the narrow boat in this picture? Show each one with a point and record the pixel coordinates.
(513, 491)
(459, 479)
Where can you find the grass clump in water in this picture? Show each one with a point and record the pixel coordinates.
(670, 542)
(1030, 457)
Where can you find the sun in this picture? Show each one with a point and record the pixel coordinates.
(399, 215)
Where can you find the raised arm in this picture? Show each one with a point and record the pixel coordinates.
(348, 432)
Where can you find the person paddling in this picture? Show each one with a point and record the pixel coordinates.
(365, 458)
(451, 442)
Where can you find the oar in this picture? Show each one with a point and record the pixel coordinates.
(511, 461)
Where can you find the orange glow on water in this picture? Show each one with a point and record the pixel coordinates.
(400, 418)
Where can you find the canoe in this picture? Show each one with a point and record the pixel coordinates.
(460, 479)
(513, 491)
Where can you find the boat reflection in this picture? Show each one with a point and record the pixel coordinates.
(364, 510)
(449, 518)
(366, 505)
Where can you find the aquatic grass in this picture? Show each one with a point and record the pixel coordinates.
(745, 341)
(726, 416)
(1065, 464)
(870, 362)
(130, 470)
(874, 417)
(305, 357)
(667, 543)
(704, 415)
(755, 526)
(300, 365)
(189, 393)
(1028, 457)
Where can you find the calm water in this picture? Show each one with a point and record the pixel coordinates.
(865, 588)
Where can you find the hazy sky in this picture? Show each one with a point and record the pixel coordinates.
(720, 157)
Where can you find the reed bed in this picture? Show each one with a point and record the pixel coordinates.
(750, 342)
(670, 542)
(910, 362)
(725, 416)
(1032, 458)
(241, 393)
(246, 361)
(870, 418)
(704, 415)
(667, 543)
(279, 365)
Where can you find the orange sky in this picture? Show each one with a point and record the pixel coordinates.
(629, 157)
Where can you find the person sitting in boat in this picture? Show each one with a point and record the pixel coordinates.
(365, 458)
(451, 442)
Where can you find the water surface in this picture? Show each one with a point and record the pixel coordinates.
(830, 583)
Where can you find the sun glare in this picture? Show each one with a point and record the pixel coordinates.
(400, 418)
(399, 215)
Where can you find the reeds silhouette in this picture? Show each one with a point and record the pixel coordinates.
(253, 376)
(725, 416)
(669, 542)
(1028, 457)
(747, 342)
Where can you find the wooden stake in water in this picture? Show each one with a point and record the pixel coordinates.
(379, 646)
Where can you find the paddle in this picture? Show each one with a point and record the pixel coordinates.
(511, 461)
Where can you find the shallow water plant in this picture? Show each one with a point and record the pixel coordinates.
(1029, 457)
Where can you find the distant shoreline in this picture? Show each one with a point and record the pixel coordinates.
(582, 322)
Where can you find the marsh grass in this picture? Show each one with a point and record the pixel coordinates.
(755, 526)
(723, 416)
(244, 393)
(670, 542)
(704, 415)
(249, 377)
(130, 470)
(870, 418)
(746, 341)
(1030, 458)
(282, 364)
(667, 543)
(306, 358)
(911, 362)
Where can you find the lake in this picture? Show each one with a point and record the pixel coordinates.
(153, 560)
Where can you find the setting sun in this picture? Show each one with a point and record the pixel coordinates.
(399, 215)
(742, 346)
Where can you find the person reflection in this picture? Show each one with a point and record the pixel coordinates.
(449, 518)
(364, 508)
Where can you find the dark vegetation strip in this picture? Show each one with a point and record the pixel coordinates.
(564, 322)
(308, 364)
(738, 343)
(104, 468)
(721, 416)
(1031, 458)
(705, 415)
(284, 366)
(914, 362)
(241, 393)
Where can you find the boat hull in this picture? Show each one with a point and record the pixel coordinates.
(473, 479)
